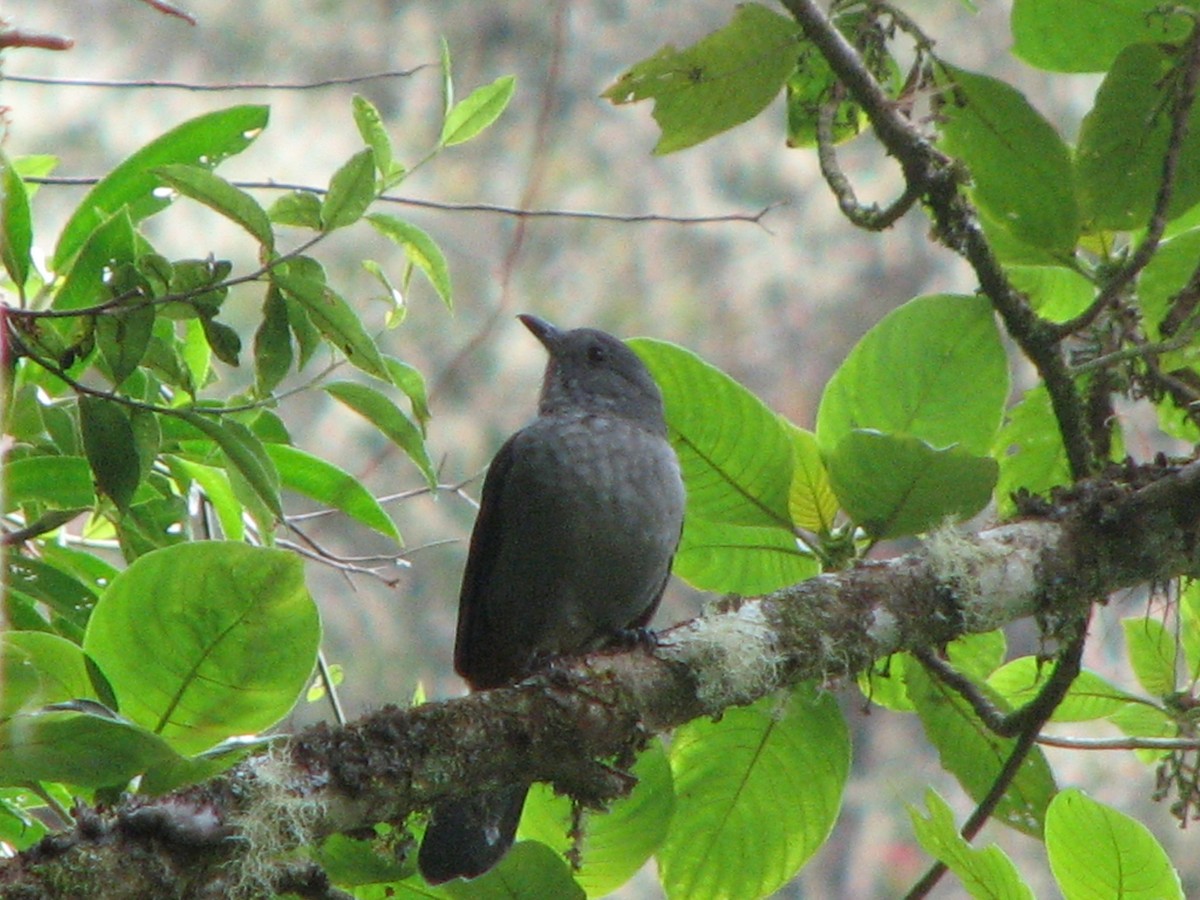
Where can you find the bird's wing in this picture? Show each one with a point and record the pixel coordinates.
(471, 652)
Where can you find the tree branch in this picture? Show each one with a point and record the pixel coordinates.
(568, 725)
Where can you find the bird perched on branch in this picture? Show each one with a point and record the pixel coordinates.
(580, 517)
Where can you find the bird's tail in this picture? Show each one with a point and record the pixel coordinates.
(468, 836)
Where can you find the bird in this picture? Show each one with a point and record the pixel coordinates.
(579, 520)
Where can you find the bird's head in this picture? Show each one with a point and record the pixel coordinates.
(591, 371)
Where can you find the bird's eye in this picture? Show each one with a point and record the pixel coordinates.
(596, 353)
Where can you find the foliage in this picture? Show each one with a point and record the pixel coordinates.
(153, 670)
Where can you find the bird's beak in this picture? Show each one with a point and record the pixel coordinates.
(550, 336)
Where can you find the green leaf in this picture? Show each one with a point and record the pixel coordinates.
(1020, 166)
(420, 249)
(1123, 140)
(49, 583)
(727, 78)
(215, 484)
(975, 755)
(477, 111)
(206, 640)
(412, 382)
(1055, 292)
(64, 482)
(933, 369)
(108, 443)
(1030, 450)
(1167, 273)
(123, 337)
(331, 314)
(898, 485)
(16, 224)
(326, 483)
(112, 241)
(58, 668)
(617, 842)
(739, 559)
(351, 862)
(811, 501)
(301, 209)
(272, 344)
(1087, 35)
(245, 455)
(1090, 697)
(736, 454)
(529, 869)
(986, 872)
(79, 748)
(1189, 638)
(205, 140)
(374, 133)
(1153, 654)
(388, 418)
(756, 794)
(219, 195)
(225, 342)
(351, 191)
(1095, 851)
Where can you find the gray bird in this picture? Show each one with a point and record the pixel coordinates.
(580, 517)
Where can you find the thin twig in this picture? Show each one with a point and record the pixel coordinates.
(1125, 743)
(219, 88)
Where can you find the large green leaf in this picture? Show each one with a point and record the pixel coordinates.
(756, 794)
(1020, 166)
(615, 843)
(986, 872)
(205, 140)
(326, 483)
(896, 485)
(1123, 140)
(53, 584)
(1087, 35)
(975, 755)
(206, 640)
(933, 369)
(736, 454)
(727, 78)
(1095, 851)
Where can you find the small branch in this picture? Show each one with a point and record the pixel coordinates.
(1125, 743)
(170, 9)
(755, 218)
(15, 37)
(870, 217)
(223, 88)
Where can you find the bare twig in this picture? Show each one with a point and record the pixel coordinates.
(224, 87)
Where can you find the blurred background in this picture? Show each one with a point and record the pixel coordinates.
(777, 303)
